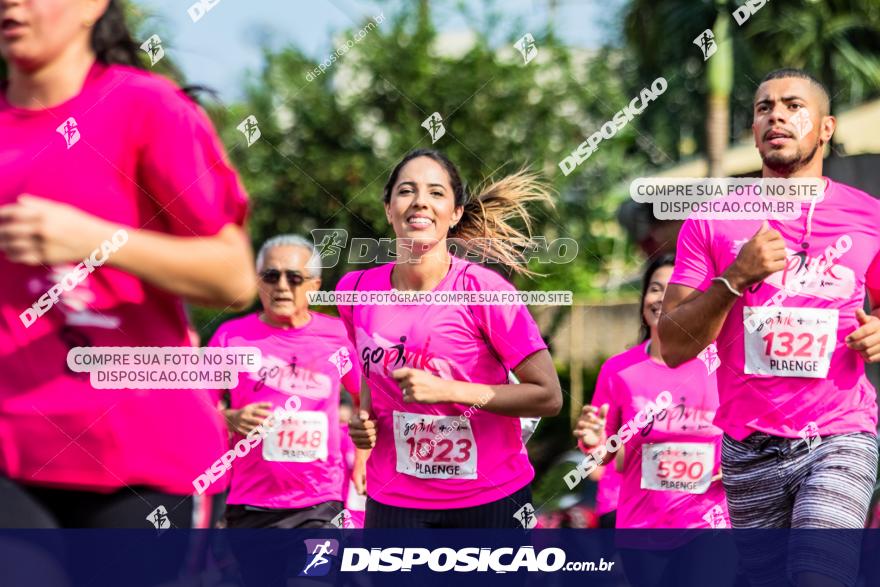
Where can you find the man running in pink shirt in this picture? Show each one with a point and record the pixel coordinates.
(784, 299)
(293, 477)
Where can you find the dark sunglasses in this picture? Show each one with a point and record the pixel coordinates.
(273, 276)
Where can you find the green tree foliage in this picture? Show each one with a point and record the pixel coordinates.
(836, 40)
(328, 145)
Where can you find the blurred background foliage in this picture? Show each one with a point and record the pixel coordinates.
(329, 142)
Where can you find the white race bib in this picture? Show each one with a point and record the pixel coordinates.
(789, 342)
(300, 437)
(678, 466)
(434, 447)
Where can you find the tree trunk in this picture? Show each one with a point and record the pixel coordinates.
(719, 83)
(717, 132)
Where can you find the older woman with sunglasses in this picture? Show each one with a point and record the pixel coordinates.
(292, 477)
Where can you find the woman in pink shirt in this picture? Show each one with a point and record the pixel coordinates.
(671, 461)
(94, 147)
(440, 410)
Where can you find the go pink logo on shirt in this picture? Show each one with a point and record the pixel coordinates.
(288, 377)
(378, 353)
(818, 277)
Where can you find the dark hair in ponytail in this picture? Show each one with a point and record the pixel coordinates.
(664, 260)
(112, 41)
(485, 226)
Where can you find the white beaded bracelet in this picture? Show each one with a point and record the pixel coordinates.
(727, 284)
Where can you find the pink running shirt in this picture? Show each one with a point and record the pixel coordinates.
(141, 155)
(300, 464)
(656, 456)
(608, 491)
(476, 460)
(781, 386)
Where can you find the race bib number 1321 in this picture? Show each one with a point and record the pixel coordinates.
(789, 342)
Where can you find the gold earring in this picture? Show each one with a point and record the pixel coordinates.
(88, 23)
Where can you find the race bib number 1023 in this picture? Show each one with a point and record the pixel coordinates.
(422, 455)
(789, 342)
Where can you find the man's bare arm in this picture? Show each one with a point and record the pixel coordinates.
(692, 319)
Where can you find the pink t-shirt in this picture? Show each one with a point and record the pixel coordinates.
(141, 155)
(300, 463)
(794, 373)
(661, 467)
(474, 460)
(609, 484)
(608, 491)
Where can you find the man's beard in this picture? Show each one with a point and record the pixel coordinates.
(787, 165)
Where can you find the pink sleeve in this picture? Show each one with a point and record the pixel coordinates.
(606, 393)
(872, 282)
(693, 261)
(352, 380)
(346, 283)
(511, 330)
(184, 169)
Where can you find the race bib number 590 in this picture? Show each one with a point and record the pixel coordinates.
(789, 342)
(434, 447)
(678, 466)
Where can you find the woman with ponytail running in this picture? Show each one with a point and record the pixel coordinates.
(440, 412)
(104, 162)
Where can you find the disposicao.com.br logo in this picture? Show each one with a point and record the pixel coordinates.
(469, 559)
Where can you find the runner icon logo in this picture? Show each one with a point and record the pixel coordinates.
(526, 516)
(706, 42)
(342, 360)
(320, 553)
(709, 356)
(159, 518)
(69, 129)
(343, 520)
(250, 129)
(329, 242)
(802, 123)
(434, 125)
(810, 435)
(526, 46)
(153, 48)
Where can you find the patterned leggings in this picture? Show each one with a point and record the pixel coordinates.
(774, 482)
